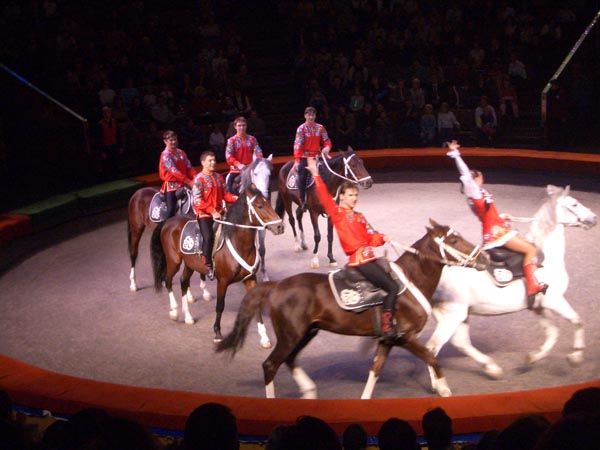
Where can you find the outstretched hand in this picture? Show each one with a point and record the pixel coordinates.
(454, 151)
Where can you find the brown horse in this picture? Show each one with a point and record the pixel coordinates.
(235, 260)
(347, 166)
(303, 304)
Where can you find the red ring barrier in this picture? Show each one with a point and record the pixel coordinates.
(38, 388)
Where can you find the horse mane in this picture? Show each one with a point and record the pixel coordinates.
(246, 175)
(544, 220)
(238, 211)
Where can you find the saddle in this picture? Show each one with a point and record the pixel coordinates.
(353, 292)
(506, 265)
(292, 178)
(158, 206)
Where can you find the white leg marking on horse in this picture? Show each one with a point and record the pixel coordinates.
(314, 262)
(370, 386)
(307, 386)
(189, 297)
(132, 284)
(270, 390)
(189, 320)
(298, 245)
(552, 333)
(264, 338)
(442, 388)
(173, 303)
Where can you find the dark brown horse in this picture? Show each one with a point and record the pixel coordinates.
(347, 166)
(138, 219)
(235, 260)
(303, 304)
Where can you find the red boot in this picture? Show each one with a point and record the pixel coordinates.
(533, 287)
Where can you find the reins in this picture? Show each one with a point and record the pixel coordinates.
(251, 212)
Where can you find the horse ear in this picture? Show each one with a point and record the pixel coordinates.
(551, 189)
(433, 222)
(350, 149)
(270, 158)
(567, 189)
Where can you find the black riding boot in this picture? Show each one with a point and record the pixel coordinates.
(388, 327)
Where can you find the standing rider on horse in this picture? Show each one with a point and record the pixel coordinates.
(311, 139)
(208, 193)
(240, 149)
(175, 169)
(496, 230)
(358, 239)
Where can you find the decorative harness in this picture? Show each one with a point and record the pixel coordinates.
(263, 225)
(347, 170)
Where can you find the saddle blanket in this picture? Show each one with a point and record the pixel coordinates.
(353, 292)
(292, 178)
(190, 241)
(158, 206)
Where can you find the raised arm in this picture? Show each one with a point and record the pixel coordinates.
(470, 186)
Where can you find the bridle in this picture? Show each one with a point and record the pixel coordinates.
(462, 259)
(251, 213)
(348, 172)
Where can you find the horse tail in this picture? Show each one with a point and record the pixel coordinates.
(252, 302)
(279, 206)
(159, 260)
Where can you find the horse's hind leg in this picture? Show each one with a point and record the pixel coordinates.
(133, 234)
(172, 269)
(301, 240)
(551, 331)
(376, 367)
(205, 292)
(439, 385)
(186, 294)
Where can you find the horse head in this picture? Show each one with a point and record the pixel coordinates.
(569, 211)
(354, 169)
(258, 173)
(453, 249)
(260, 211)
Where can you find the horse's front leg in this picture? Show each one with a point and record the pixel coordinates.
(314, 219)
(439, 383)
(265, 342)
(186, 295)
(379, 360)
(206, 295)
(134, 236)
(221, 292)
(301, 240)
(332, 261)
(261, 252)
(462, 341)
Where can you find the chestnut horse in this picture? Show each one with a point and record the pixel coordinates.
(347, 166)
(303, 304)
(235, 260)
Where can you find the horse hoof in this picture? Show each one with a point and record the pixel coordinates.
(132, 288)
(298, 248)
(532, 358)
(207, 297)
(216, 340)
(173, 315)
(333, 264)
(189, 321)
(266, 344)
(310, 394)
(445, 393)
(191, 299)
(575, 358)
(494, 372)
(314, 262)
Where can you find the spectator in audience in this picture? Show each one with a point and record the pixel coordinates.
(354, 437)
(240, 150)
(345, 127)
(557, 115)
(211, 426)
(283, 437)
(257, 127)
(357, 100)
(583, 401)
(437, 429)
(581, 432)
(192, 138)
(241, 102)
(216, 142)
(417, 94)
(447, 124)
(517, 71)
(316, 434)
(397, 434)
(162, 113)
(108, 130)
(106, 95)
(486, 122)
(522, 434)
(508, 100)
(428, 126)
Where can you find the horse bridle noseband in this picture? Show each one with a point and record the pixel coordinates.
(251, 212)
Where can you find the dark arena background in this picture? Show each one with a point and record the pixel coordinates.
(72, 335)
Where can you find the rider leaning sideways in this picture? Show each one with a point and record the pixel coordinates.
(175, 169)
(496, 230)
(239, 151)
(209, 194)
(311, 139)
(358, 239)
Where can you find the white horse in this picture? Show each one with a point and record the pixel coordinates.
(463, 292)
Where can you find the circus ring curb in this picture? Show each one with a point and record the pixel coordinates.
(37, 388)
